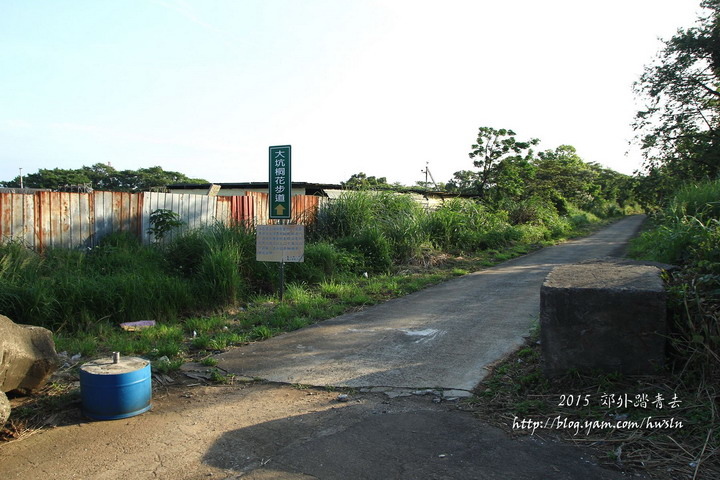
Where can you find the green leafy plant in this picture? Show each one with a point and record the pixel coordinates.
(162, 222)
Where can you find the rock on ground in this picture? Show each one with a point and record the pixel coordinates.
(27, 356)
(4, 408)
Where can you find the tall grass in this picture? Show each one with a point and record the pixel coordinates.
(122, 280)
(214, 268)
(687, 233)
(468, 226)
(382, 228)
(697, 200)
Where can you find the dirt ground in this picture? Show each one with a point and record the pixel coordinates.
(262, 430)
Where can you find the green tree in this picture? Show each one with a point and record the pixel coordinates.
(491, 154)
(103, 177)
(512, 178)
(360, 181)
(677, 129)
(562, 172)
(52, 179)
(153, 177)
(464, 181)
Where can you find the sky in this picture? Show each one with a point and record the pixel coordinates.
(383, 87)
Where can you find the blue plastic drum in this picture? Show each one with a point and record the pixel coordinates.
(113, 390)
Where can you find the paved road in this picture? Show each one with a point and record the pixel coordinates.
(444, 336)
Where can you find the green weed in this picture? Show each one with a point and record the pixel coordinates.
(218, 377)
(167, 366)
(209, 361)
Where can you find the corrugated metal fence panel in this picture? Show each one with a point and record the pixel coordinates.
(224, 210)
(149, 205)
(102, 214)
(304, 208)
(195, 211)
(155, 201)
(17, 218)
(72, 220)
(109, 212)
(242, 209)
(260, 214)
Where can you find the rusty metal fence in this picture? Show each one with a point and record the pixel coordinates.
(74, 220)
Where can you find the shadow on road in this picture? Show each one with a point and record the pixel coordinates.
(366, 442)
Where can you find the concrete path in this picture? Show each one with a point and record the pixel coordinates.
(444, 336)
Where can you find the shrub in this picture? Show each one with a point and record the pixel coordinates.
(531, 233)
(605, 209)
(372, 247)
(323, 260)
(687, 233)
(534, 210)
(162, 222)
(344, 216)
(183, 255)
(219, 279)
(672, 241)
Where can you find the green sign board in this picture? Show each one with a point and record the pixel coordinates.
(280, 188)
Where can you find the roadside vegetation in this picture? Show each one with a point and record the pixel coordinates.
(363, 248)
(677, 131)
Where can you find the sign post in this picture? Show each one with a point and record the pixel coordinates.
(280, 185)
(280, 243)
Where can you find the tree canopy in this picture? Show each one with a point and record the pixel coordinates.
(509, 170)
(493, 148)
(102, 177)
(361, 181)
(677, 129)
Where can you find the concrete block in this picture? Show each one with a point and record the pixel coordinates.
(607, 315)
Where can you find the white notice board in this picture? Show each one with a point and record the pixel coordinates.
(280, 243)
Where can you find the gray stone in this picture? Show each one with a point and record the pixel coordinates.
(4, 408)
(457, 393)
(607, 315)
(398, 392)
(27, 356)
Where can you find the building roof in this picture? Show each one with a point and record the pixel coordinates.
(241, 185)
(23, 190)
(326, 189)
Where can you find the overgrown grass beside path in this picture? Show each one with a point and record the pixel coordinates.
(207, 292)
(264, 316)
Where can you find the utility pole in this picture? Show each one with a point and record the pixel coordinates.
(427, 172)
(21, 181)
